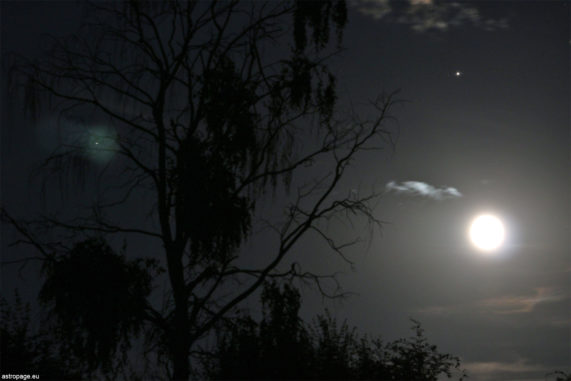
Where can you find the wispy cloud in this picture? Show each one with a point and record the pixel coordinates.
(420, 189)
(481, 368)
(425, 15)
(520, 304)
(502, 305)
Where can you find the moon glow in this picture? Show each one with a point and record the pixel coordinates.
(100, 144)
(487, 232)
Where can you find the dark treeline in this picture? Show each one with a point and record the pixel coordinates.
(279, 346)
(282, 346)
(26, 350)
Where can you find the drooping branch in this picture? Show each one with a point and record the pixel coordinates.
(210, 115)
(301, 221)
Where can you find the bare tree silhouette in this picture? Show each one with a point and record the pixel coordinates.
(207, 107)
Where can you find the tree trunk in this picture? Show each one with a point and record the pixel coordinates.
(180, 357)
(180, 335)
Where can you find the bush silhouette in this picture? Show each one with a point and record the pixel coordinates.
(282, 346)
(27, 350)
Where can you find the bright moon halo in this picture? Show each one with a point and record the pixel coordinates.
(487, 232)
(100, 144)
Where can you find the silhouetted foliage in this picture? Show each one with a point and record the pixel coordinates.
(276, 348)
(333, 348)
(416, 359)
(281, 346)
(560, 375)
(205, 116)
(29, 350)
(88, 278)
(316, 15)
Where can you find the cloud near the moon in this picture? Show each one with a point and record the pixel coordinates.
(520, 303)
(420, 189)
(428, 15)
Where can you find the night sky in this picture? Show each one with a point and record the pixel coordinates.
(484, 128)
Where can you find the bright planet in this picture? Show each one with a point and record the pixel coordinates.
(487, 232)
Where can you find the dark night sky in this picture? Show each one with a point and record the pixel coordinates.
(499, 133)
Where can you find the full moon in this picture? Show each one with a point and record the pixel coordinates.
(487, 232)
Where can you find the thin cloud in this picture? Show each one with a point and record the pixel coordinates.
(376, 9)
(426, 15)
(502, 305)
(420, 189)
(521, 304)
(494, 367)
